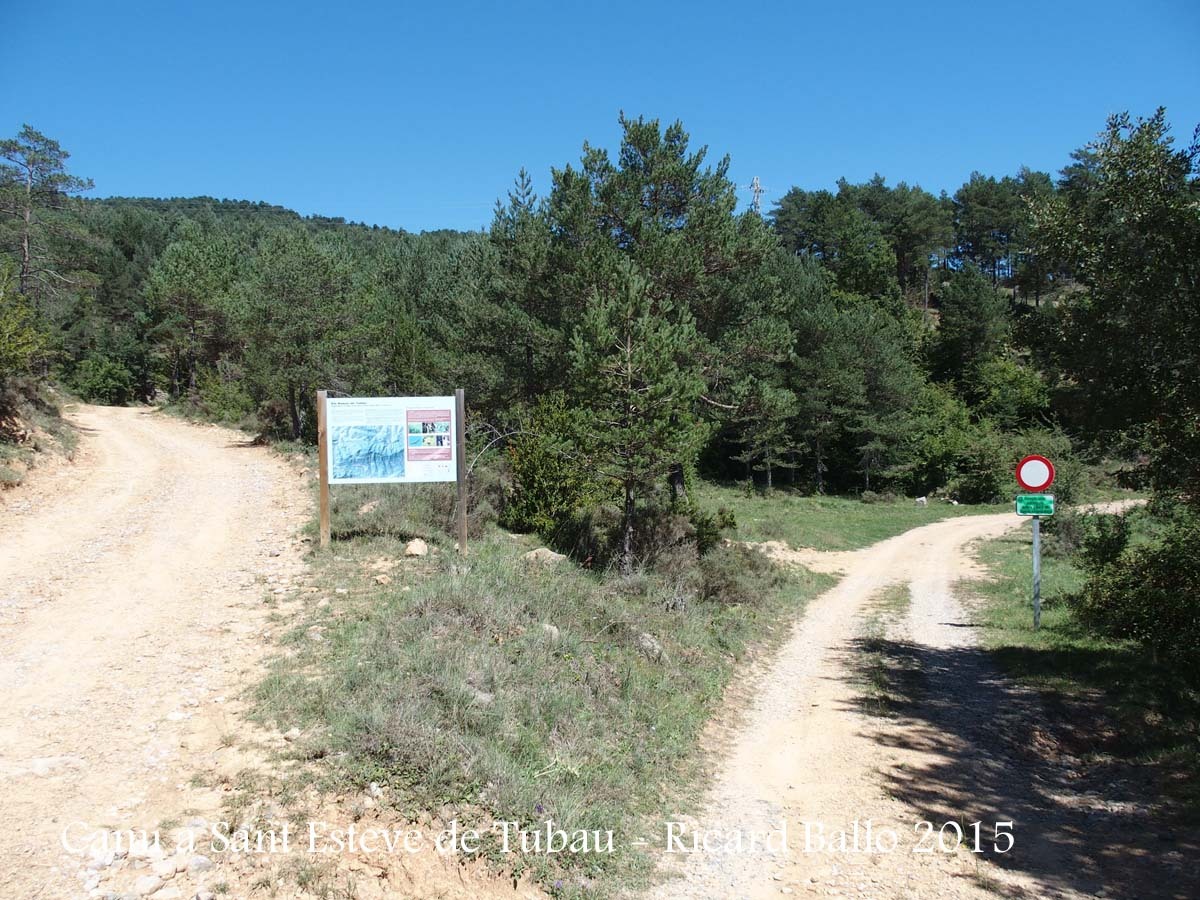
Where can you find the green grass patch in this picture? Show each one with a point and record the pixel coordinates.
(520, 693)
(883, 677)
(825, 523)
(1109, 699)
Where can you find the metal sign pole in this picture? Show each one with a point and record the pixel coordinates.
(1037, 572)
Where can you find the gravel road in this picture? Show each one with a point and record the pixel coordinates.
(131, 589)
(803, 751)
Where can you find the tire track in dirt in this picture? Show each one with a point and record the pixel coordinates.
(132, 619)
(800, 747)
(129, 614)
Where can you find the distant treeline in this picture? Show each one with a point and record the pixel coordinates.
(871, 337)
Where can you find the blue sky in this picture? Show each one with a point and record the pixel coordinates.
(419, 115)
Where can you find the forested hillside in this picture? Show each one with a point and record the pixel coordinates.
(634, 328)
(809, 341)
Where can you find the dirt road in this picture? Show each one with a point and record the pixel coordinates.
(131, 607)
(132, 614)
(807, 755)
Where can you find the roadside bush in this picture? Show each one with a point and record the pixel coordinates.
(1065, 533)
(224, 399)
(1106, 539)
(709, 526)
(984, 473)
(1096, 538)
(737, 574)
(589, 536)
(665, 538)
(1150, 595)
(873, 497)
(986, 464)
(549, 482)
(101, 380)
(662, 538)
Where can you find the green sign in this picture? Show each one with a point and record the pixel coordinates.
(1035, 505)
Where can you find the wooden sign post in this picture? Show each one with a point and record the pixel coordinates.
(460, 455)
(323, 465)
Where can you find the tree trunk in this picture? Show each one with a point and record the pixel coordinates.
(627, 533)
(26, 254)
(678, 487)
(192, 357)
(294, 411)
(925, 309)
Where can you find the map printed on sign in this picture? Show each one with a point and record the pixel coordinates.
(390, 439)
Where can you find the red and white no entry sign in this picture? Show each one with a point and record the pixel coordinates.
(1035, 473)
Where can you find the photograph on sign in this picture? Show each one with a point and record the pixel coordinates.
(429, 436)
(390, 439)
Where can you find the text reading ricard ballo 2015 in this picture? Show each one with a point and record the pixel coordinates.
(859, 836)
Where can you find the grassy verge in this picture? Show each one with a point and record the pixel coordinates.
(487, 688)
(31, 424)
(826, 523)
(1109, 699)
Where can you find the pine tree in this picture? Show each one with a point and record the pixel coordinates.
(34, 180)
(20, 342)
(635, 373)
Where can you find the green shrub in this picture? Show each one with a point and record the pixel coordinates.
(1106, 539)
(943, 428)
(1009, 393)
(984, 473)
(668, 539)
(101, 380)
(1065, 533)
(709, 526)
(986, 466)
(20, 342)
(1150, 595)
(737, 574)
(588, 535)
(873, 497)
(225, 399)
(550, 483)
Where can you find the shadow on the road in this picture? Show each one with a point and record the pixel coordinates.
(259, 441)
(1082, 821)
